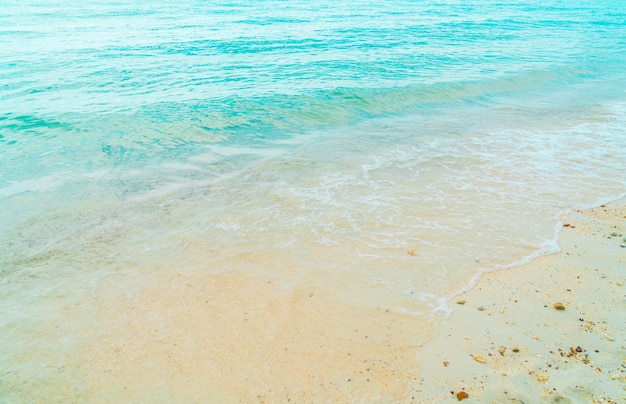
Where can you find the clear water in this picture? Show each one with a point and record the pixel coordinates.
(316, 143)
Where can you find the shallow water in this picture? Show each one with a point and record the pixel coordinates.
(381, 154)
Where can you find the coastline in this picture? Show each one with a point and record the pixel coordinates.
(255, 342)
(235, 337)
(509, 339)
(313, 203)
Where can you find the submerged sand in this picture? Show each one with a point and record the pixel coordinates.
(251, 339)
(234, 337)
(242, 339)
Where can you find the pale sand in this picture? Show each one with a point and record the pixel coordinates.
(515, 308)
(243, 339)
(232, 338)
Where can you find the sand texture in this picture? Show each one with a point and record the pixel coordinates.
(550, 331)
(247, 339)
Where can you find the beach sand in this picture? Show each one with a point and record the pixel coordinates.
(247, 339)
(236, 338)
(532, 351)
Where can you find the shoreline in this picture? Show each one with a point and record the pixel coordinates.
(237, 337)
(551, 330)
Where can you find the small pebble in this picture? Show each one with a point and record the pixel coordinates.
(542, 378)
(460, 302)
(479, 359)
(559, 306)
(482, 308)
(501, 349)
(515, 349)
(461, 395)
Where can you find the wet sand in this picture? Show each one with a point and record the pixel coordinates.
(550, 331)
(255, 339)
(234, 337)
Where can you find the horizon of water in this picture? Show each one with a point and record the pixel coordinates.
(387, 153)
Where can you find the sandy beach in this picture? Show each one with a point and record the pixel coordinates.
(313, 202)
(550, 331)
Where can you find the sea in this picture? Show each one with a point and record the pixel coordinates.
(386, 153)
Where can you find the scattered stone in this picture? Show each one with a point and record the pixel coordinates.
(411, 251)
(461, 395)
(542, 378)
(446, 363)
(460, 302)
(566, 225)
(482, 308)
(501, 349)
(559, 306)
(515, 349)
(479, 359)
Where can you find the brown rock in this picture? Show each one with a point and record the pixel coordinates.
(559, 306)
(461, 395)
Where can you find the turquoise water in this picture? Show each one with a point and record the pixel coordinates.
(315, 142)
